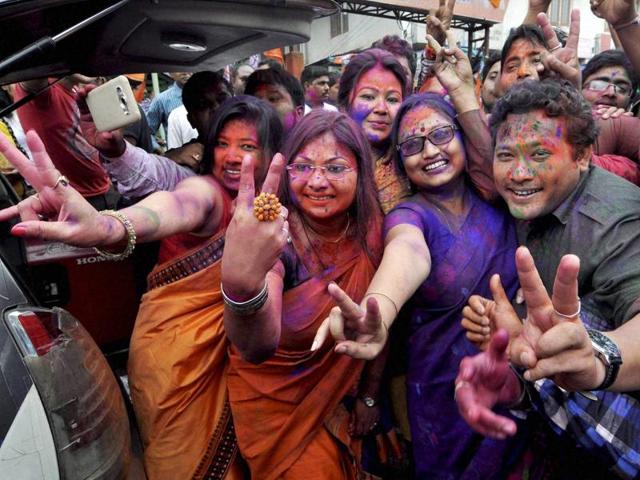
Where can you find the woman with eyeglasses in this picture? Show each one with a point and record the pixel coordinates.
(441, 246)
(286, 399)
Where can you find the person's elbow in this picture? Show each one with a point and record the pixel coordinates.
(258, 354)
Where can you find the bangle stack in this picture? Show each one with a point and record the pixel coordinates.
(248, 307)
(131, 237)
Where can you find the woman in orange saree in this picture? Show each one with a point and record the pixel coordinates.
(178, 357)
(285, 398)
(178, 353)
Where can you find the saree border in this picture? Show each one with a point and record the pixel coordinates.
(189, 264)
(222, 449)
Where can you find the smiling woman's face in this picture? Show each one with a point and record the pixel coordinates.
(318, 194)
(435, 165)
(374, 103)
(237, 139)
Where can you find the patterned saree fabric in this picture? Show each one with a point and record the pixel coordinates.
(287, 412)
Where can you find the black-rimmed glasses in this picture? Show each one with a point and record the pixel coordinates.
(437, 136)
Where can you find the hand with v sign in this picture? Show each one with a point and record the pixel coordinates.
(252, 247)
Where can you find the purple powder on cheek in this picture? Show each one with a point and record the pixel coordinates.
(559, 131)
(359, 113)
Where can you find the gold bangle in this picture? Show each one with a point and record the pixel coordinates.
(131, 237)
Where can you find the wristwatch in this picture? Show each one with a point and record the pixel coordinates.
(368, 401)
(608, 352)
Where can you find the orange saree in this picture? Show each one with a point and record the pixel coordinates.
(178, 367)
(289, 420)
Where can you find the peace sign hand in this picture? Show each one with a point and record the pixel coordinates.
(71, 218)
(252, 247)
(439, 23)
(453, 68)
(554, 343)
(484, 381)
(560, 60)
(359, 332)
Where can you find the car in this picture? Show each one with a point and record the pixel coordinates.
(64, 413)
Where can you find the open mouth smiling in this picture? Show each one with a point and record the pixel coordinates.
(525, 193)
(435, 165)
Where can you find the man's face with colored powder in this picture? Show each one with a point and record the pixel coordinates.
(534, 165)
(523, 61)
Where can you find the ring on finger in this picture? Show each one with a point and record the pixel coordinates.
(555, 48)
(266, 207)
(458, 386)
(61, 180)
(571, 316)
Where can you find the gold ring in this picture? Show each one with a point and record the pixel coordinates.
(62, 180)
(266, 207)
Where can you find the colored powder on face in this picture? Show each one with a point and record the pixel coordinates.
(559, 131)
(359, 113)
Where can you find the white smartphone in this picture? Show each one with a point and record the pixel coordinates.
(113, 105)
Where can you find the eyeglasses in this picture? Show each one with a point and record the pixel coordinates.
(602, 85)
(437, 136)
(332, 171)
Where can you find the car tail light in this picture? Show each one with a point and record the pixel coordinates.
(80, 394)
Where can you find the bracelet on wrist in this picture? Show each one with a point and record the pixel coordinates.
(131, 237)
(248, 307)
(621, 26)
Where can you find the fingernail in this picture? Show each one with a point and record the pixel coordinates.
(340, 349)
(314, 345)
(527, 376)
(19, 231)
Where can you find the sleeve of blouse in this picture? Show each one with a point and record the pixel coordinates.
(479, 149)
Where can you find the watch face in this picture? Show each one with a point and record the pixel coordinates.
(605, 346)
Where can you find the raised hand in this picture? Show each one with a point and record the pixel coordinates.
(111, 144)
(554, 343)
(439, 23)
(615, 12)
(71, 219)
(252, 247)
(481, 316)
(359, 332)
(485, 381)
(562, 61)
(453, 68)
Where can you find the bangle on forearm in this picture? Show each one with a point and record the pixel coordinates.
(248, 307)
(131, 237)
(524, 401)
(395, 307)
(621, 26)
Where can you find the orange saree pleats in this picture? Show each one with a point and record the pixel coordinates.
(287, 412)
(177, 371)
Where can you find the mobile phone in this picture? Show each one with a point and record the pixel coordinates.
(113, 105)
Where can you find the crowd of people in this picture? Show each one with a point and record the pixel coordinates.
(395, 271)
